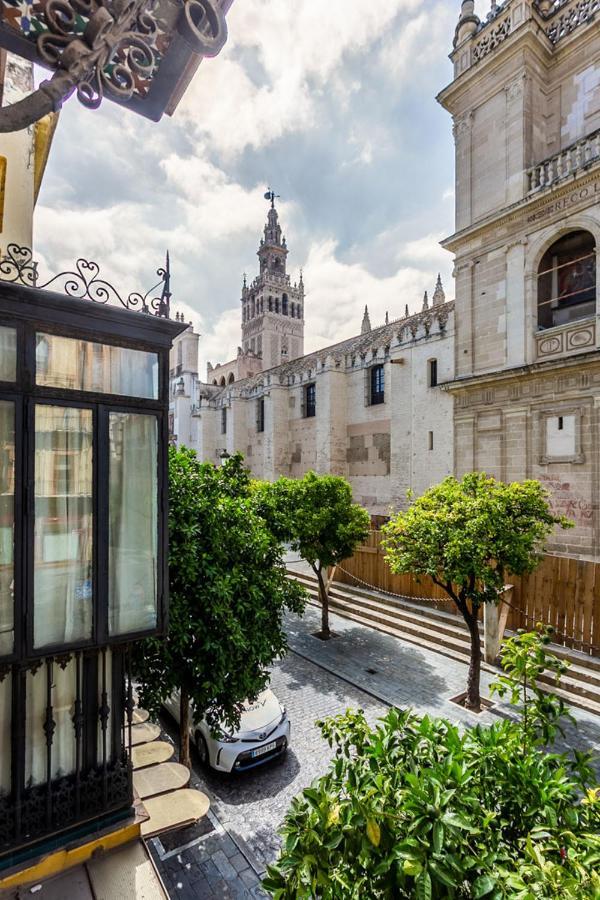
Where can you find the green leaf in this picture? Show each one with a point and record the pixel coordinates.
(438, 837)
(442, 873)
(483, 886)
(412, 867)
(423, 886)
(373, 832)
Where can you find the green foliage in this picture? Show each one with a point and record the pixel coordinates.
(467, 535)
(316, 516)
(416, 808)
(228, 591)
(524, 658)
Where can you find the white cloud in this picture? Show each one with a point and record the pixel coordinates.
(299, 60)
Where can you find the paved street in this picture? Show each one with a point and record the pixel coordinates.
(225, 856)
(249, 807)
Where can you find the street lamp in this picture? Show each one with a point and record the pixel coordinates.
(83, 542)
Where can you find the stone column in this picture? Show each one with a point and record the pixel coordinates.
(462, 131)
(208, 419)
(516, 311)
(464, 343)
(401, 436)
(276, 435)
(331, 419)
(517, 119)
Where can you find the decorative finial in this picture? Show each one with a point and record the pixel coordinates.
(387, 317)
(425, 301)
(406, 312)
(439, 295)
(245, 280)
(366, 322)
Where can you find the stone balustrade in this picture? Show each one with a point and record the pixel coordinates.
(564, 164)
(567, 15)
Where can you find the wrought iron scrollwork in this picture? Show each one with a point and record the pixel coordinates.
(85, 282)
(107, 47)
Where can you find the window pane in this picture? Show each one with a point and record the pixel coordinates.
(5, 734)
(8, 354)
(133, 522)
(63, 525)
(7, 513)
(85, 366)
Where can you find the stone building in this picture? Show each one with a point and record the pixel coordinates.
(525, 102)
(367, 408)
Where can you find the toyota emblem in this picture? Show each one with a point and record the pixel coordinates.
(262, 736)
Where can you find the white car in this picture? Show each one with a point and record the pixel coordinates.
(264, 734)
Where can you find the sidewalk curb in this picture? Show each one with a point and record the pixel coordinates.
(354, 684)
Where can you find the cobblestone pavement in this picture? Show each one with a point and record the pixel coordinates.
(359, 667)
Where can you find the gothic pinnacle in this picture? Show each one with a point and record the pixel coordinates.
(425, 301)
(439, 295)
(366, 322)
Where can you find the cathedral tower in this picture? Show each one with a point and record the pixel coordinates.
(273, 307)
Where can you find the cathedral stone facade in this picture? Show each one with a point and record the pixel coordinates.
(506, 379)
(368, 408)
(525, 102)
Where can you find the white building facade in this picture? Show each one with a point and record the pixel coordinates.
(369, 408)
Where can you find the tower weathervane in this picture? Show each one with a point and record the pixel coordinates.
(272, 196)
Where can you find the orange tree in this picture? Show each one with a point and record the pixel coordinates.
(467, 536)
(317, 517)
(228, 592)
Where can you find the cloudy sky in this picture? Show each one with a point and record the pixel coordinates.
(332, 103)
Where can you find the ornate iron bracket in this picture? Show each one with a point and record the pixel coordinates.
(85, 283)
(108, 47)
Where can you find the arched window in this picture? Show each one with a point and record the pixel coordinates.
(284, 305)
(231, 379)
(253, 308)
(567, 280)
(276, 304)
(215, 382)
(270, 304)
(223, 381)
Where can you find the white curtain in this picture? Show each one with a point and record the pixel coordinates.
(63, 740)
(86, 366)
(8, 354)
(7, 490)
(63, 525)
(133, 522)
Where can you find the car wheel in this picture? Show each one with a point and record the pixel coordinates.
(202, 748)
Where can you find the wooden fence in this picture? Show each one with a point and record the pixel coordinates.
(562, 592)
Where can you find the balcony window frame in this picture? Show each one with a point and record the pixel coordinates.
(63, 804)
(25, 394)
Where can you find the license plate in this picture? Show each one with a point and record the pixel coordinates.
(262, 750)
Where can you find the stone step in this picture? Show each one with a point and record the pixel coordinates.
(432, 633)
(444, 633)
(417, 611)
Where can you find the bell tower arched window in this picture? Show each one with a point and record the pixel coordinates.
(566, 283)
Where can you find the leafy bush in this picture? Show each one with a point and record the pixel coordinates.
(415, 807)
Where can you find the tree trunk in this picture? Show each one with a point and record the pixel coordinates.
(473, 699)
(324, 598)
(184, 730)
